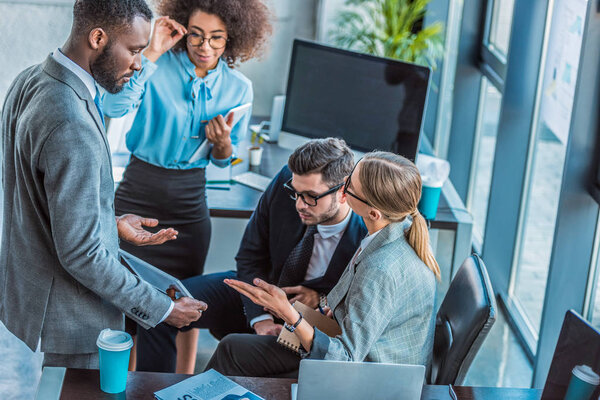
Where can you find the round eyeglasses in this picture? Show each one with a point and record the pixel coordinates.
(216, 42)
(308, 199)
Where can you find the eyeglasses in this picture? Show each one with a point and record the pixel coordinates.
(216, 42)
(308, 199)
(347, 187)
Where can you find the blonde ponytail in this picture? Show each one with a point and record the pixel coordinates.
(392, 184)
(418, 238)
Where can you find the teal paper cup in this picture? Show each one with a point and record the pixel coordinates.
(582, 384)
(114, 348)
(430, 197)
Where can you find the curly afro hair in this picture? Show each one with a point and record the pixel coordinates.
(247, 22)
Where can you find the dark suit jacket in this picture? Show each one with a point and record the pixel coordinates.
(274, 230)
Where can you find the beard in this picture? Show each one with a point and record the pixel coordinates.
(103, 70)
(326, 216)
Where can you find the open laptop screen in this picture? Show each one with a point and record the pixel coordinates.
(578, 344)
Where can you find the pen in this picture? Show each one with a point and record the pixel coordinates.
(217, 188)
(321, 309)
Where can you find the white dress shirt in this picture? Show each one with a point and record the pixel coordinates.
(81, 73)
(326, 240)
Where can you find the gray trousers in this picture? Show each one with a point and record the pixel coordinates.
(84, 361)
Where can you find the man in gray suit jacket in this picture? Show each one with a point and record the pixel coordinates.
(60, 275)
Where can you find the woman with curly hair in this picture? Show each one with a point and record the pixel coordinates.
(185, 87)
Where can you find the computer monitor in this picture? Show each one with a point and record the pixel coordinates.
(372, 103)
(578, 344)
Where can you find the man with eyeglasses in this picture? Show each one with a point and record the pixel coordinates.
(300, 237)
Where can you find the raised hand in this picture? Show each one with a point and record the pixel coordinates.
(131, 229)
(167, 32)
(272, 298)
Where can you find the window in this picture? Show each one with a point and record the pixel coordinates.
(483, 156)
(546, 161)
(499, 33)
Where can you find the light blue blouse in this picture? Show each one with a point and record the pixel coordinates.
(172, 102)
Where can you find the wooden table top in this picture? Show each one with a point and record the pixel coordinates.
(85, 385)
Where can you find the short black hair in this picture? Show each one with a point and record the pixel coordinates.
(110, 15)
(331, 157)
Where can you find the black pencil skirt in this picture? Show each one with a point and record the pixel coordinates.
(177, 198)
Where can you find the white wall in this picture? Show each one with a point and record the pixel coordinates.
(31, 29)
(28, 33)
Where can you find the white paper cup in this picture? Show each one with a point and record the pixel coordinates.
(255, 156)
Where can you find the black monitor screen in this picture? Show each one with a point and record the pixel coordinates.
(578, 344)
(372, 103)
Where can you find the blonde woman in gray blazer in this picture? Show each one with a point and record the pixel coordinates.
(383, 302)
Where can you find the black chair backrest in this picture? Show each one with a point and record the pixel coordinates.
(462, 323)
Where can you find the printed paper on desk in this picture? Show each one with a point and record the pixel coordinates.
(209, 385)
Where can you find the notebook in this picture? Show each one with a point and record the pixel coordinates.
(325, 324)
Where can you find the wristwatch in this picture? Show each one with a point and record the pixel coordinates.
(292, 328)
(322, 300)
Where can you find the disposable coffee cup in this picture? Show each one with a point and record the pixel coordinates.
(582, 384)
(430, 198)
(255, 155)
(113, 349)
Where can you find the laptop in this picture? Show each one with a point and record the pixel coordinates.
(578, 344)
(331, 380)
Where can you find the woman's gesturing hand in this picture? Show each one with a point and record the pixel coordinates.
(166, 33)
(272, 298)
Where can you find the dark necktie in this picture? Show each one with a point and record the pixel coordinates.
(294, 269)
(98, 103)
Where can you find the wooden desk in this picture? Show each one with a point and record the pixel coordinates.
(84, 384)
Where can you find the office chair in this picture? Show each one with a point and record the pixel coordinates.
(462, 323)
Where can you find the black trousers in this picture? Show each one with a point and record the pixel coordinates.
(156, 347)
(254, 355)
(177, 199)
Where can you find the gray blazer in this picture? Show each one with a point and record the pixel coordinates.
(60, 275)
(384, 304)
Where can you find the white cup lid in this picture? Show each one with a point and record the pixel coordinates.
(586, 374)
(114, 340)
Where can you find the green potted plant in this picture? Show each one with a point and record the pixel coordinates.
(390, 28)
